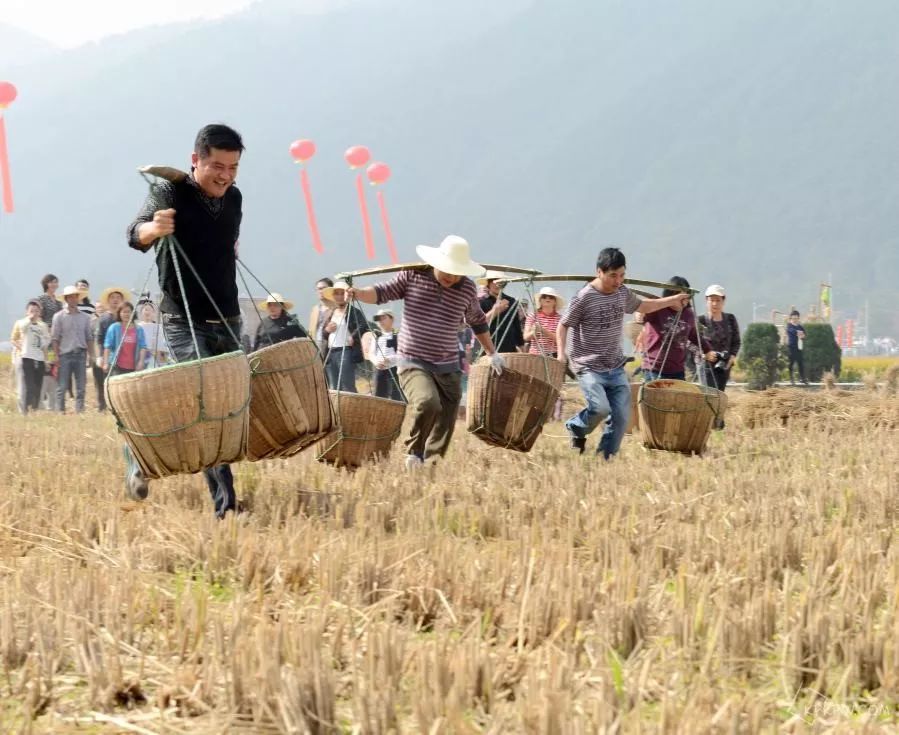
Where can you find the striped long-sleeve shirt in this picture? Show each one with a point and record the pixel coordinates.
(431, 318)
(595, 319)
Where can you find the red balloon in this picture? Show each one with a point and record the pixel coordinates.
(378, 173)
(8, 94)
(357, 156)
(302, 150)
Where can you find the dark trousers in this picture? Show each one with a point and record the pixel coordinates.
(387, 385)
(72, 363)
(32, 379)
(212, 340)
(340, 370)
(715, 378)
(796, 359)
(99, 378)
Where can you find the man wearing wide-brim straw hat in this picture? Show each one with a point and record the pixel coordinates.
(344, 328)
(114, 296)
(278, 325)
(437, 300)
(73, 345)
(111, 298)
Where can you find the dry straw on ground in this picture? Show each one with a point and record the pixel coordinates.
(753, 589)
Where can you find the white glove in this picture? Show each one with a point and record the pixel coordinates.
(497, 363)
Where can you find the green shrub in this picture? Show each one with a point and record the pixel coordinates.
(820, 351)
(760, 355)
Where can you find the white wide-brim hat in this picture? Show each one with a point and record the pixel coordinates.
(104, 297)
(453, 256)
(328, 292)
(276, 298)
(491, 276)
(550, 291)
(382, 312)
(72, 291)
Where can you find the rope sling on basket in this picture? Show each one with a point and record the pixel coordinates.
(186, 417)
(509, 410)
(289, 405)
(366, 425)
(676, 415)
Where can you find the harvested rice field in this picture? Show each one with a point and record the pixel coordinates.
(753, 589)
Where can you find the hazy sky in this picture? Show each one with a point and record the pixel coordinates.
(72, 22)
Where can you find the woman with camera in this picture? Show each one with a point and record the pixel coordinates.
(723, 334)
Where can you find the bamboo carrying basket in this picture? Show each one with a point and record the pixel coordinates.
(289, 406)
(508, 410)
(547, 369)
(677, 416)
(186, 417)
(367, 426)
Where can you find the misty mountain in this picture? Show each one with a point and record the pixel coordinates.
(747, 143)
(19, 48)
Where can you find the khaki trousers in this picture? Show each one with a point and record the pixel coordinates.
(433, 401)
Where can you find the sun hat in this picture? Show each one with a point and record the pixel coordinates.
(550, 291)
(104, 297)
(453, 256)
(328, 293)
(71, 291)
(715, 290)
(382, 312)
(490, 276)
(276, 298)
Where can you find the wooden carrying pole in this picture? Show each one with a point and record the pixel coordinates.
(348, 276)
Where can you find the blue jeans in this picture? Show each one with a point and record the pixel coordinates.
(72, 363)
(341, 378)
(608, 397)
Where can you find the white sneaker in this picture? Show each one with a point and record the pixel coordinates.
(136, 485)
(413, 462)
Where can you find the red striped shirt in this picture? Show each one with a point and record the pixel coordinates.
(431, 318)
(540, 345)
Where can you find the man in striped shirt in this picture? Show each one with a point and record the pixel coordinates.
(437, 299)
(589, 336)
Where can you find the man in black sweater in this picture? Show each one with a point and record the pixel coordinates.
(203, 210)
(502, 314)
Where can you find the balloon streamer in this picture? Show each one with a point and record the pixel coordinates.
(301, 151)
(8, 94)
(366, 223)
(310, 212)
(5, 176)
(388, 233)
(357, 156)
(378, 173)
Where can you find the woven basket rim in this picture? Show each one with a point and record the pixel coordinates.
(164, 368)
(486, 366)
(341, 395)
(269, 348)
